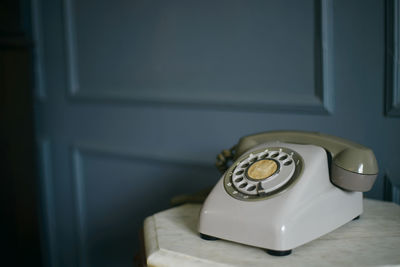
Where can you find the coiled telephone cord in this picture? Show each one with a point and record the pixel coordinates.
(224, 158)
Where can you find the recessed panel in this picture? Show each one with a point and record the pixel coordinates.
(198, 51)
(119, 192)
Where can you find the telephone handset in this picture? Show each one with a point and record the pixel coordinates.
(353, 166)
(280, 192)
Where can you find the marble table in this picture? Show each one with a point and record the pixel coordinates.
(171, 239)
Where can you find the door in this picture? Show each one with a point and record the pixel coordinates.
(135, 98)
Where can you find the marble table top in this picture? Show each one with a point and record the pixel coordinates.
(171, 239)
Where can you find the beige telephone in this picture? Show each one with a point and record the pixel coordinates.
(286, 188)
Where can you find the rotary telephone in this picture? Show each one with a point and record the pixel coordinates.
(286, 188)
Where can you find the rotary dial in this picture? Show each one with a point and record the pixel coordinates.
(262, 173)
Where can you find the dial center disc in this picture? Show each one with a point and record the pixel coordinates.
(262, 169)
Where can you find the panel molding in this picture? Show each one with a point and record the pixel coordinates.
(392, 100)
(322, 102)
(391, 192)
(39, 70)
(50, 244)
(116, 151)
(80, 206)
(70, 46)
(396, 195)
(327, 64)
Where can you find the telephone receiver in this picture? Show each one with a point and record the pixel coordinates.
(287, 188)
(353, 167)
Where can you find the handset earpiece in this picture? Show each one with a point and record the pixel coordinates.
(354, 167)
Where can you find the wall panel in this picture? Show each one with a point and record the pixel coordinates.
(115, 190)
(232, 55)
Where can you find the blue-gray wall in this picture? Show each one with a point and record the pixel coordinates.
(135, 98)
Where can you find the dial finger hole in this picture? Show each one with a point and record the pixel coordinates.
(239, 172)
(251, 188)
(283, 157)
(287, 163)
(237, 180)
(245, 165)
(273, 155)
(243, 185)
(263, 156)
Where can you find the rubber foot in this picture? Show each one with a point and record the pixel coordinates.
(208, 237)
(356, 218)
(278, 252)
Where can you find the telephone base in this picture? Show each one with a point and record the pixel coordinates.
(278, 252)
(309, 208)
(208, 237)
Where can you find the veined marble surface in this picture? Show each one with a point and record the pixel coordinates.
(171, 239)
